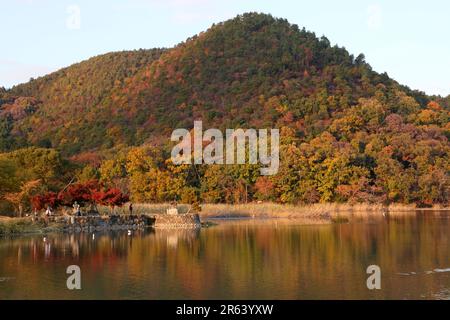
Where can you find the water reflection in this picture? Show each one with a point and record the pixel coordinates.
(248, 259)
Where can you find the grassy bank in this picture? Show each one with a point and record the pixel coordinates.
(274, 210)
(144, 208)
(265, 209)
(253, 210)
(314, 211)
(12, 226)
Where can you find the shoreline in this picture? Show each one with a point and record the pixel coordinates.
(25, 226)
(306, 215)
(274, 210)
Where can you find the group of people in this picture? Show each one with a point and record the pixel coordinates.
(49, 211)
(76, 210)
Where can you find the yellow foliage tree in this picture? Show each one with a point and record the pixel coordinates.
(22, 198)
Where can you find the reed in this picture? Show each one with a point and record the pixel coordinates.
(269, 209)
(15, 226)
(143, 208)
(275, 210)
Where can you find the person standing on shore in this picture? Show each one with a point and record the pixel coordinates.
(131, 208)
(49, 211)
(76, 209)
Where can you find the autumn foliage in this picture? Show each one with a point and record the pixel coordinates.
(40, 202)
(347, 133)
(91, 192)
(112, 197)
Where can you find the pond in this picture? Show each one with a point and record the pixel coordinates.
(238, 259)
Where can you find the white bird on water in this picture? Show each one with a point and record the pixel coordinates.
(129, 232)
(45, 239)
(93, 236)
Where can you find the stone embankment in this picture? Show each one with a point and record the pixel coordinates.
(121, 222)
(191, 220)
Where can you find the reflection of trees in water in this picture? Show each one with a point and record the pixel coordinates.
(246, 260)
(310, 261)
(76, 245)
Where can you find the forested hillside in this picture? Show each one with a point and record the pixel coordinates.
(348, 134)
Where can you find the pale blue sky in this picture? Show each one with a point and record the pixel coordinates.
(406, 38)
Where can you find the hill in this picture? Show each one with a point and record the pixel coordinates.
(346, 129)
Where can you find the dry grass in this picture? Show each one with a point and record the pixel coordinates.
(144, 208)
(17, 226)
(262, 210)
(266, 210)
(270, 210)
(313, 210)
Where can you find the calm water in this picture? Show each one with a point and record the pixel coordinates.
(245, 259)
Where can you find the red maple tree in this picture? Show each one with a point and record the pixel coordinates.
(110, 197)
(91, 192)
(40, 202)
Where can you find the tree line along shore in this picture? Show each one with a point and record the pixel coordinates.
(34, 178)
